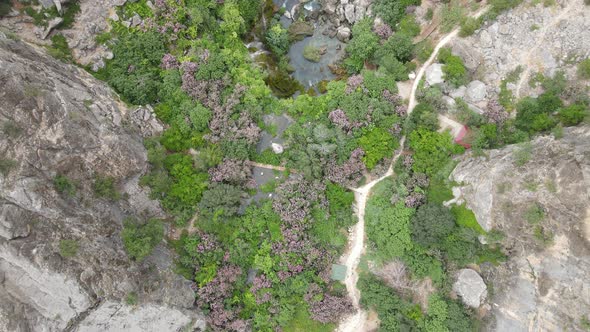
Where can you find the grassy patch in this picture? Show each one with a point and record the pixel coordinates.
(68, 248)
(131, 298)
(312, 53)
(59, 48)
(6, 165)
(523, 154)
(302, 322)
(63, 185)
(466, 218)
(104, 187)
(534, 214)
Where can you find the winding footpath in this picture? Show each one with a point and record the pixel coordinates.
(357, 321)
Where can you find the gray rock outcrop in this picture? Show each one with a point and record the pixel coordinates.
(470, 287)
(544, 284)
(434, 74)
(476, 92)
(57, 119)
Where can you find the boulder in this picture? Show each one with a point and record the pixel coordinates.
(476, 92)
(277, 148)
(343, 34)
(434, 74)
(349, 13)
(470, 287)
(458, 92)
(485, 40)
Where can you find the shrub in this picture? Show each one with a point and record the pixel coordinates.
(11, 129)
(59, 48)
(451, 14)
(134, 70)
(63, 185)
(104, 187)
(5, 7)
(432, 150)
(584, 69)
(423, 50)
(277, 39)
(392, 11)
(312, 53)
(409, 26)
(469, 25)
(362, 46)
(523, 154)
(140, 239)
(377, 144)
(534, 214)
(131, 298)
(220, 200)
(466, 218)
(431, 224)
(572, 115)
(399, 45)
(453, 69)
(68, 248)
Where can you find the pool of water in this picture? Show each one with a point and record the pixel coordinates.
(280, 123)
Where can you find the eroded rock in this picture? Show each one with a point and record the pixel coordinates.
(470, 287)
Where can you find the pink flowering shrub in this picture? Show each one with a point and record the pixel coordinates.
(353, 83)
(295, 198)
(331, 308)
(383, 30)
(169, 62)
(350, 172)
(495, 113)
(232, 171)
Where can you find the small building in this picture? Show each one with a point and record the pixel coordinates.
(338, 272)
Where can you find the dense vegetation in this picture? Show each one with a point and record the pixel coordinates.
(266, 263)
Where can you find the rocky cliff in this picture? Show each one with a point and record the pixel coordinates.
(55, 119)
(542, 206)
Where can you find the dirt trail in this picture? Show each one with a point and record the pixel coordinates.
(357, 321)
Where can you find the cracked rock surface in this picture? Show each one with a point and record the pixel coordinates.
(63, 121)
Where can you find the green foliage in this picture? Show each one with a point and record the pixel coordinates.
(392, 11)
(573, 114)
(131, 298)
(362, 46)
(395, 313)
(11, 129)
(452, 14)
(423, 116)
(378, 144)
(68, 248)
(302, 322)
(409, 26)
(5, 7)
(469, 25)
(543, 236)
(69, 15)
(220, 201)
(59, 48)
(453, 69)
(431, 224)
(535, 213)
(277, 39)
(466, 218)
(63, 185)
(312, 53)
(584, 69)
(137, 7)
(6, 165)
(376, 82)
(423, 50)
(523, 154)
(533, 115)
(399, 46)
(466, 115)
(134, 70)
(388, 226)
(105, 187)
(140, 239)
(431, 150)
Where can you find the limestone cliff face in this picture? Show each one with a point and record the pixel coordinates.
(544, 285)
(57, 119)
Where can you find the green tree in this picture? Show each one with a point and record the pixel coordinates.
(377, 144)
(573, 114)
(432, 150)
(140, 239)
(362, 46)
(277, 39)
(220, 201)
(134, 71)
(431, 224)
